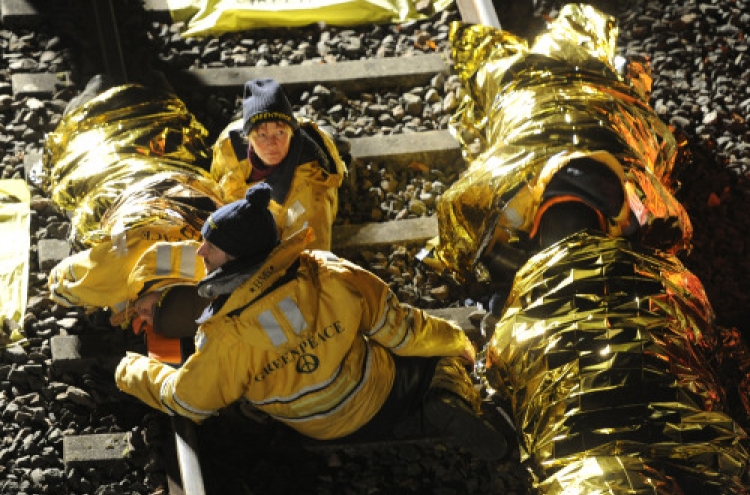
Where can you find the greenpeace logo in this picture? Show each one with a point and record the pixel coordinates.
(262, 116)
(305, 362)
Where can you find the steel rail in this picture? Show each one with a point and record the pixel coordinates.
(480, 12)
(188, 460)
(109, 40)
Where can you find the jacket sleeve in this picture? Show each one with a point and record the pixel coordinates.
(213, 377)
(405, 330)
(89, 278)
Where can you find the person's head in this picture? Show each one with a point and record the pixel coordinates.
(172, 311)
(268, 120)
(243, 230)
(271, 141)
(161, 265)
(145, 306)
(213, 256)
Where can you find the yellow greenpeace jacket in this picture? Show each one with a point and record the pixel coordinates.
(312, 198)
(313, 352)
(101, 277)
(152, 213)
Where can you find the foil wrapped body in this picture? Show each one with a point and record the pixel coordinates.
(124, 135)
(130, 168)
(609, 357)
(528, 107)
(618, 378)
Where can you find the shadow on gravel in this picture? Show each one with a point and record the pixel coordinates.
(243, 456)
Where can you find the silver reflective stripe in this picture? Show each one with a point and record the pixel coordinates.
(293, 314)
(163, 259)
(272, 328)
(187, 261)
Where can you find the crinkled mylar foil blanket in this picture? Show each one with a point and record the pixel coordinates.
(129, 138)
(609, 356)
(619, 380)
(215, 17)
(526, 106)
(15, 223)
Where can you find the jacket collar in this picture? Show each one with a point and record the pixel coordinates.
(245, 283)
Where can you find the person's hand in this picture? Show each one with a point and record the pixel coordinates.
(469, 353)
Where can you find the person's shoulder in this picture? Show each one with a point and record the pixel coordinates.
(314, 134)
(325, 144)
(326, 263)
(313, 150)
(233, 136)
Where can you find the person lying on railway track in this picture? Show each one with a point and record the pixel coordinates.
(129, 166)
(606, 345)
(618, 374)
(314, 341)
(566, 133)
(300, 161)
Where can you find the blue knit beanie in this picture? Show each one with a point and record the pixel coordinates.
(264, 100)
(245, 228)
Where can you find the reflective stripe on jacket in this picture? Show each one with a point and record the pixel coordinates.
(101, 276)
(314, 352)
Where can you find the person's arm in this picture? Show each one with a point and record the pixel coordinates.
(405, 330)
(212, 378)
(89, 278)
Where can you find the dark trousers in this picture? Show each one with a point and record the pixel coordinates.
(410, 385)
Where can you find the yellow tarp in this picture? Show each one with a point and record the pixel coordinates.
(213, 17)
(15, 200)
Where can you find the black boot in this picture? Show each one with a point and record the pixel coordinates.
(450, 415)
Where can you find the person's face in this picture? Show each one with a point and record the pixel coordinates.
(213, 256)
(270, 141)
(145, 306)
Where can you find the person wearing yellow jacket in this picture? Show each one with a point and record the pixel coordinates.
(315, 341)
(98, 277)
(295, 157)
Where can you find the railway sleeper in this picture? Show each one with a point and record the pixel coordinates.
(267, 435)
(78, 354)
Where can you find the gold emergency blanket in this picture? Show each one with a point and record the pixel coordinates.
(130, 167)
(120, 137)
(214, 17)
(164, 207)
(15, 220)
(528, 106)
(607, 353)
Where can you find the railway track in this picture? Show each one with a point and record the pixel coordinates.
(435, 148)
(80, 351)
